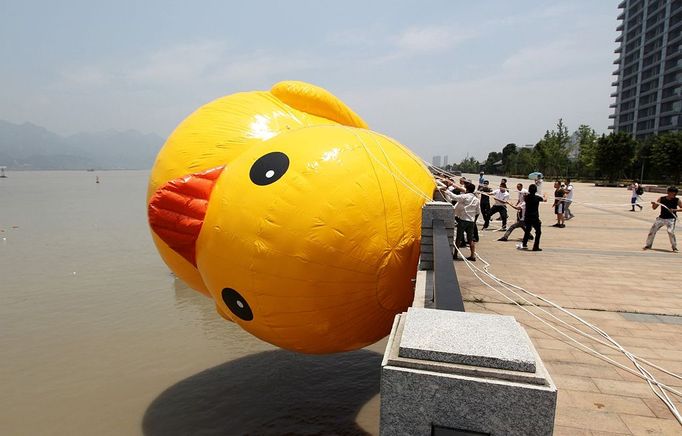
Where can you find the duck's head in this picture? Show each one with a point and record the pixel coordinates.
(308, 238)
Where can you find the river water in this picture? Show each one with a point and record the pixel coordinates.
(98, 338)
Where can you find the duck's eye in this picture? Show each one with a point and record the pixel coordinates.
(269, 168)
(237, 304)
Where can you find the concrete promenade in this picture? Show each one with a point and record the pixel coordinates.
(594, 266)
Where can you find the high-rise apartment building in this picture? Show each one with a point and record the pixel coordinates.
(649, 84)
(445, 161)
(436, 161)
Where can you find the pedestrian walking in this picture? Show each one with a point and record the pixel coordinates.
(635, 198)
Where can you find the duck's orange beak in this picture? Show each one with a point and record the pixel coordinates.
(177, 209)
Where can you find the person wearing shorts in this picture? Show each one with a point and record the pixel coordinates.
(559, 195)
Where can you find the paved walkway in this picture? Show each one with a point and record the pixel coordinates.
(596, 267)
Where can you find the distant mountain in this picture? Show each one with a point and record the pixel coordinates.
(31, 147)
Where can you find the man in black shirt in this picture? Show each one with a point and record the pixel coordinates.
(485, 202)
(670, 205)
(532, 217)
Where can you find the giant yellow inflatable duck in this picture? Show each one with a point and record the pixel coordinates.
(300, 223)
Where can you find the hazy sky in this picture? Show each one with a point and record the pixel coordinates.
(443, 77)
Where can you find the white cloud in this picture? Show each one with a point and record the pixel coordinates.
(196, 64)
(261, 65)
(541, 59)
(179, 63)
(430, 39)
(86, 76)
(477, 116)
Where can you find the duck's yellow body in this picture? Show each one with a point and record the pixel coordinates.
(301, 224)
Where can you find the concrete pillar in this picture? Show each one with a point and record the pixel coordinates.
(435, 210)
(447, 372)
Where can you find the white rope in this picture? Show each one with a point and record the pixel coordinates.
(643, 373)
(400, 178)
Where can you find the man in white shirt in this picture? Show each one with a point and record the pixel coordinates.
(521, 193)
(466, 209)
(501, 196)
(569, 199)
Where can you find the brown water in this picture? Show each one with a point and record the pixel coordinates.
(98, 338)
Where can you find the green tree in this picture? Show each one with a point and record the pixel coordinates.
(552, 151)
(587, 143)
(509, 158)
(490, 163)
(526, 162)
(469, 165)
(643, 165)
(666, 155)
(614, 154)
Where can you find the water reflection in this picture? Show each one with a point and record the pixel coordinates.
(273, 392)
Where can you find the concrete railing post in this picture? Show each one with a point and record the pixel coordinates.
(447, 372)
(435, 210)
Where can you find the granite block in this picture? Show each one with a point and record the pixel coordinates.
(413, 401)
(420, 395)
(438, 210)
(492, 341)
(539, 377)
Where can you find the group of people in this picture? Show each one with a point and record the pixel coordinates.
(471, 201)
